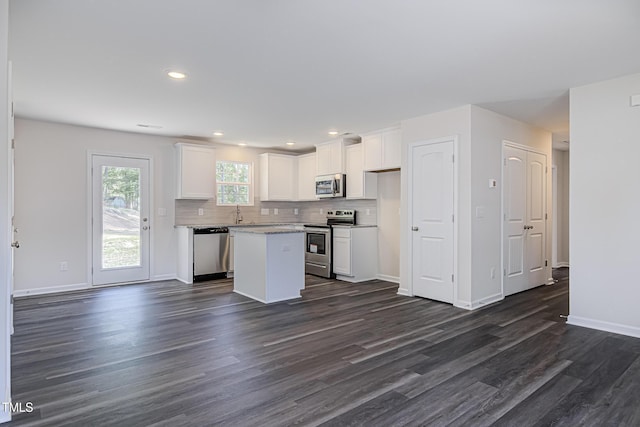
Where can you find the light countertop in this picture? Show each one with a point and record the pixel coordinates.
(265, 230)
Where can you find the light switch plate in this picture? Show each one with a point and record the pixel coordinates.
(635, 100)
(162, 211)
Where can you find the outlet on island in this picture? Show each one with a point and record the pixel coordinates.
(200, 211)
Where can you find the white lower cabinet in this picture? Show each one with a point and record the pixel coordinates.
(355, 253)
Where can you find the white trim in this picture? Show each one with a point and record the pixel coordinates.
(561, 264)
(404, 292)
(454, 139)
(163, 277)
(554, 214)
(474, 305)
(387, 278)
(263, 301)
(51, 290)
(617, 328)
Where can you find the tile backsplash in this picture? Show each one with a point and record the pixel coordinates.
(308, 212)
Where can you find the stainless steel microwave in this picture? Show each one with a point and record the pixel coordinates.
(331, 186)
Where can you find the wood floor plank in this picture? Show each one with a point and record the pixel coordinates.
(166, 353)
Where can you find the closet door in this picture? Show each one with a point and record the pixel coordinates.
(524, 195)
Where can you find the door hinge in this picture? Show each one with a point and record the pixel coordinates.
(453, 218)
(504, 272)
(545, 216)
(452, 278)
(13, 143)
(546, 263)
(453, 158)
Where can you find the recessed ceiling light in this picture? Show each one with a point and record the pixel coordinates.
(178, 75)
(291, 143)
(218, 133)
(333, 132)
(144, 125)
(242, 144)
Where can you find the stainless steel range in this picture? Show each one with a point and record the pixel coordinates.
(318, 254)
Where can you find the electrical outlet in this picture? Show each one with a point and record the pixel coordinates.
(321, 211)
(64, 266)
(368, 211)
(295, 211)
(200, 211)
(275, 211)
(264, 211)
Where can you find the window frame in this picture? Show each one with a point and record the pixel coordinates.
(249, 184)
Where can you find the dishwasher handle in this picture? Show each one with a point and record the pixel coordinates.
(211, 230)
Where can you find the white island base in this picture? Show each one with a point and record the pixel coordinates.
(269, 263)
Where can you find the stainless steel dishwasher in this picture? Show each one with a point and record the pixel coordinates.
(211, 253)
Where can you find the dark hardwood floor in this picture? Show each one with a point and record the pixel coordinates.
(169, 354)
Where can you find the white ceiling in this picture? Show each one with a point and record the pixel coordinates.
(267, 72)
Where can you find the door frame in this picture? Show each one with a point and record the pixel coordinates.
(507, 143)
(89, 204)
(453, 139)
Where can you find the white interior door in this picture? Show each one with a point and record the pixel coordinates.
(120, 219)
(15, 244)
(524, 219)
(432, 220)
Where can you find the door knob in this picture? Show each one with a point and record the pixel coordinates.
(15, 244)
(145, 228)
(414, 228)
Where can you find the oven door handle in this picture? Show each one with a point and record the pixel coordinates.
(317, 265)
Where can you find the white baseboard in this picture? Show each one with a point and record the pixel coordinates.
(163, 277)
(474, 305)
(617, 328)
(50, 290)
(404, 292)
(387, 278)
(561, 264)
(264, 301)
(354, 279)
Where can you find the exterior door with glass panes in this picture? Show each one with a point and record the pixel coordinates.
(120, 219)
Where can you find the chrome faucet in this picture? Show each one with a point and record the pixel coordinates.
(238, 215)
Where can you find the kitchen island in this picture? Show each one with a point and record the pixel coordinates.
(269, 262)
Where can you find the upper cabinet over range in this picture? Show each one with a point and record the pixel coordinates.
(382, 149)
(330, 156)
(196, 171)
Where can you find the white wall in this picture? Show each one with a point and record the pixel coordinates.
(51, 183)
(448, 123)
(388, 210)
(5, 221)
(604, 206)
(488, 131)
(561, 209)
(480, 134)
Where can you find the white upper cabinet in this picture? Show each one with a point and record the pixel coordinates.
(307, 177)
(382, 150)
(360, 184)
(330, 156)
(196, 172)
(278, 177)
